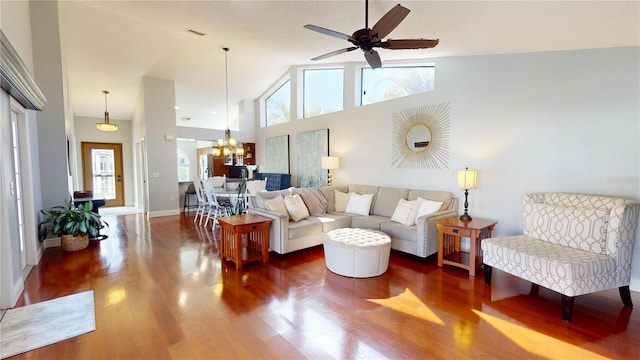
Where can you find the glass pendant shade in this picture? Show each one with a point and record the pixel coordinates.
(106, 125)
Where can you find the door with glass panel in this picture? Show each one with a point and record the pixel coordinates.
(102, 171)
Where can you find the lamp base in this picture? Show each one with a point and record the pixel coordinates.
(465, 217)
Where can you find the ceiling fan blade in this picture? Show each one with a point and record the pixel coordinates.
(409, 44)
(341, 51)
(373, 59)
(389, 21)
(325, 31)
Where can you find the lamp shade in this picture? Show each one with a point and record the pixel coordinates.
(467, 179)
(330, 162)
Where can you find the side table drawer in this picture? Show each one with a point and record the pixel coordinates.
(455, 231)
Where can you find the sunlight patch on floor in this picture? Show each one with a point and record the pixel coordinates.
(409, 304)
(536, 343)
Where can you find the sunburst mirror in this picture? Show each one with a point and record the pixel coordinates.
(420, 137)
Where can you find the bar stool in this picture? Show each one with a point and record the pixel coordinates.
(191, 190)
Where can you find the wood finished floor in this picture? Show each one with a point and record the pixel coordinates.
(162, 292)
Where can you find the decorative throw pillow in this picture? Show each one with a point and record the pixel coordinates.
(276, 204)
(359, 204)
(427, 207)
(296, 207)
(341, 200)
(405, 212)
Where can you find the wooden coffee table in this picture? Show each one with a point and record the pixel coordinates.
(244, 238)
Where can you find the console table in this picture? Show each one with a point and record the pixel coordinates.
(450, 230)
(244, 238)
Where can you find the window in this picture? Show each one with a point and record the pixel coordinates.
(393, 82)
(323, 91)
(278, 105)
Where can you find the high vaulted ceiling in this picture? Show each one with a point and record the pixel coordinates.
(112, 45)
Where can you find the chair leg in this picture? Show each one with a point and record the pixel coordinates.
(567, 307)
(488, 270)
(625, 295)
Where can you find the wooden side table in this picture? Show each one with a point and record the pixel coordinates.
(244, 238)
(450, 230)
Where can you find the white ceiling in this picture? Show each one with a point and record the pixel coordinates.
(111, 45)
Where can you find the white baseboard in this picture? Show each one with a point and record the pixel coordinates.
(17, 291)
(164, 213)
(52, 242)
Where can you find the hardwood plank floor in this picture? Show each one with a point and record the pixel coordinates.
(162, 292)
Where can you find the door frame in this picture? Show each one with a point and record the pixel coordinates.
(87, 178)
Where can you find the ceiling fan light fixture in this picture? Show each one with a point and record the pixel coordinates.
(106, 125)
(367, 39)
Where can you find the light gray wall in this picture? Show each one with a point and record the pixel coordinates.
(553, 121)
(162, 162)
(85, 131)
(52, 128)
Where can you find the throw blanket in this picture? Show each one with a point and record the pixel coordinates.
(313, 198)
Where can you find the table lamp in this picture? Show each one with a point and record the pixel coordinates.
(467, 180)
(330, 163)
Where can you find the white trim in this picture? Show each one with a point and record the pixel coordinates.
(153, 214)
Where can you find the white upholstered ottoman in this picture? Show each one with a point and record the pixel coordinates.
(358, 253)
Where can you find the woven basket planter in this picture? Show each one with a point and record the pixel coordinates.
(74, 243)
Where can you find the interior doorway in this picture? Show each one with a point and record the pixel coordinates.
(102, 171)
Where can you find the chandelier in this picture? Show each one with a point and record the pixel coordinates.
(227, 145)
(106, 126)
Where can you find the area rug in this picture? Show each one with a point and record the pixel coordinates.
(33, 326)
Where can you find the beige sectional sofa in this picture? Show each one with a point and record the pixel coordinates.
(420, 239)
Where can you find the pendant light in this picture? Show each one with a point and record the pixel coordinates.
(106, 126)
(227, 145)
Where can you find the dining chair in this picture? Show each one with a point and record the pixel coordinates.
(215, 209)
(202, 202)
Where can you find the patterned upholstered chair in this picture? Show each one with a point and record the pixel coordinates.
(573, 244)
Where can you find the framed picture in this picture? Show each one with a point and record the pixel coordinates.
(228, 160)
(312, 146)
(239, 160)
(277, 151)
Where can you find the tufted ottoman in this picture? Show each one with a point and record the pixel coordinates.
(358, 253)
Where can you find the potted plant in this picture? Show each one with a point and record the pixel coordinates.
(241, 203)
(74, 225)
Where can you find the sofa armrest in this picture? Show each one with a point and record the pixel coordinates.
(427, 237)
(278, 229)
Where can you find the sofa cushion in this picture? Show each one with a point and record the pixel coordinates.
(359, 204)
(578, 228)
(328, 192)
(544, 260)
(399, 231)
(387, 200)
(405, 212)
(444, 196)
(427, 207)
(341, 200)
(368, 222)
(334, 221)
(265, 195)
(313, 199)
(365, 189)
(276, 204)
(305, 227)
(296, 207)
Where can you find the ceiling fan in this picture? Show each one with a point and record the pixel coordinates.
(367, 39)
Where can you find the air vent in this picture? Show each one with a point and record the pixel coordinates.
(195, 32)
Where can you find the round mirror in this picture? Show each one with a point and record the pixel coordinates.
(418, 138)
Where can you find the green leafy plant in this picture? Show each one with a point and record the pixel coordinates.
(242, 199)
(70, 220)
